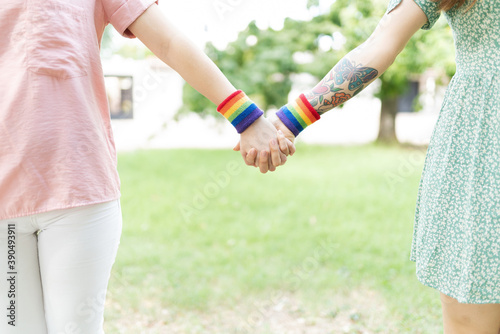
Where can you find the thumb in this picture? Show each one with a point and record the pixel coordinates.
(237, 147)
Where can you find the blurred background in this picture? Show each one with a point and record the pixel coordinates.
(321, 245)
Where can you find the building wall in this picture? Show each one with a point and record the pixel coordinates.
(158, 96)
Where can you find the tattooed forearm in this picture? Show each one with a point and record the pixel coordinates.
(343, 82)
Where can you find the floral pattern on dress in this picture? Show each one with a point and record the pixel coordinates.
(430, 9)
(456, 238)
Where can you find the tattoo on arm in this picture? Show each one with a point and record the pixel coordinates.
(343, 82)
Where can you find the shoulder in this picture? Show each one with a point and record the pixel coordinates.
(430, 9)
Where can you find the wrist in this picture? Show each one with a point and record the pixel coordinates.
(238, 109)
(279, 125)
(258, 120)
(298, 115)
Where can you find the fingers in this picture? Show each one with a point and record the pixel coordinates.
(291, 146)
(283, 158)
(283, 143)
(275, 153)
(251, 157)
(268, 161)
(263, 161)
(237, 147)
(271, 167)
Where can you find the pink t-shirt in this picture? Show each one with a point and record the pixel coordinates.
(56, 145)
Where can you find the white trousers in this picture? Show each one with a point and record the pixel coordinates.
(55, 268)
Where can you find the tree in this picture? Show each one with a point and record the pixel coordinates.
(261, 62)
(357, 19)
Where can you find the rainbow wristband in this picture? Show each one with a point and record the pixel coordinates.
(239, 110)
(298, 115)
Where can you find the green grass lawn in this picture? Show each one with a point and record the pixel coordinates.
(205, 234)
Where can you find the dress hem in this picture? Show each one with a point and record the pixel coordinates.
(450, 294)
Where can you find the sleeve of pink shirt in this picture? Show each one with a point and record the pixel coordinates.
(122, 13)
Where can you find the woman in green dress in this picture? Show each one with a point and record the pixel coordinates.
(456, 240)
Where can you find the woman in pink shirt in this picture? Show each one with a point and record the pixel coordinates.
(60, 215)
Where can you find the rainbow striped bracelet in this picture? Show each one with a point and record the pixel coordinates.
(298, 115)
(239, 110)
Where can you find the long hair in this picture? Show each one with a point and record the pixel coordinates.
(449, 4)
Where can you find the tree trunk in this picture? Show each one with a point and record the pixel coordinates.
(387, 131)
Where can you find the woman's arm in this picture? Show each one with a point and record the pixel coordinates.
(363, 65)
(169, 44)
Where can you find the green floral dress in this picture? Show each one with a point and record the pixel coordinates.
(456, 238)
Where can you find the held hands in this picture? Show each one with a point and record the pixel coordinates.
(286, 133)
(261, 145)
(290, 120)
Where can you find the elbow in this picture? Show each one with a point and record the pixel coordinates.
(165, 48)
(385, 49)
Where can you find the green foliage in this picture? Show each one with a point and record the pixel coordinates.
(263, 70)
(134, 51)
(312, 3)
(107, 38)
(127, 50)
(357, 20)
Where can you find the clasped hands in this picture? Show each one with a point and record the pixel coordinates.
(266, 144)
